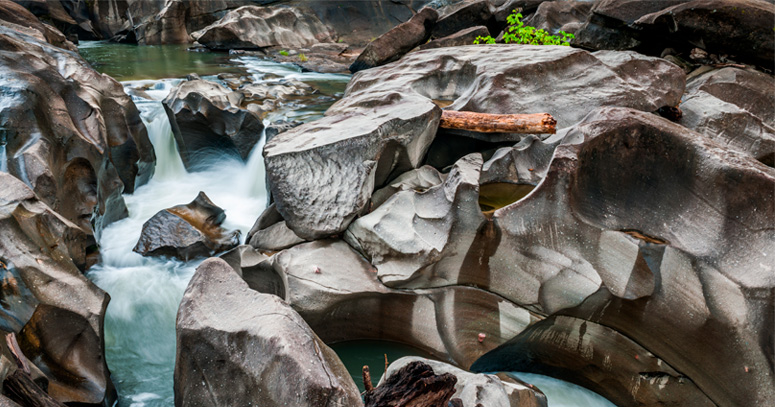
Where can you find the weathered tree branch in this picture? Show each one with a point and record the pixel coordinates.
(414, 385)
(535, 123)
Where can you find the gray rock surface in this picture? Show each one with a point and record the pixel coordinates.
(462, 37)
(56, 312)
(265, 354)
(734, 107)
(89, 146)
(252, 27)
(322, 174)
(392, 45)
(270, 232)
(556, 16)
(187, 231)
(475, 389)
(461, 16)
(208, 118)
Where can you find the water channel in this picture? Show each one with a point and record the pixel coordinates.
(145, 292)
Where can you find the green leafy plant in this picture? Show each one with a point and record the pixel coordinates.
(303, 58)
(284, 53)
(519, 33)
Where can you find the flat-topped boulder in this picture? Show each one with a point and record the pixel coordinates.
(187, 231)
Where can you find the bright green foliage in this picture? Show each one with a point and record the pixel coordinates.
(303, 58)
(519, 33)
(284, 53)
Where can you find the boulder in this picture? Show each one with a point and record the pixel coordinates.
(565, 82)
(16, 17)
(56, 312)
(462, 37)
(420, 180)
(236, 346)
(338, 294)
(321, 174)
(739, 28)
(271, 233)
(736, 108)
(207, 118)
(88, 148)
(392, 45)
(252, 27)
(556, 16)
(422, 239)
(187, 231)
(461, 16)
(69, 17)
(479, 389)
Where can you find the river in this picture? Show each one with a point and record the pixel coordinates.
(145, 292)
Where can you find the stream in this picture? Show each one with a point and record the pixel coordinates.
(145, 291)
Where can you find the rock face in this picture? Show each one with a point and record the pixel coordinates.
(16, 17)
(395, 43)
(321, 177)
(58, 323)
(479, 389)
(462, 37)
(565, 82)
(207, 118)
(735, 107)
(556, 16)
(187, 231)
(236, 346)
(88, 150)
(460, 16)
(252, 27)
(339, 295)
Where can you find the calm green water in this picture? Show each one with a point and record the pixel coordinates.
(126, 62)
(356, 354)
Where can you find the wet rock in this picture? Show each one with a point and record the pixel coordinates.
(579, 345)
(556, 16)
(419, 180)
(280, 126)
(462, 37)
(207, 118)
(89, 146)
(479, 389)
(167, 27)
(568, 83)
(71, 18)
(338, 294)
(505, 7)
(747, 32)
(736, 108)
(16, 17)
(392, 45)
(57, 313)
(422, 239)
(461, 16)
(252, 27)
(264, 355)
(322, 174)
(187, 231)
(525, 163)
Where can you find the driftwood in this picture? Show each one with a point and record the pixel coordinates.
(414, 385)
(19, 386)
(535, 123)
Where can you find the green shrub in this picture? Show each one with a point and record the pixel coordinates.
(284, 53)
(519, 33)
(303, 58)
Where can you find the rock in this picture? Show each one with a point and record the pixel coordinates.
(270, 232)
(462, 37)
(208, 118)
(167, 27)
(505, 7)
(565, 82)
(577, 345)
(264, 355)
(461, 16)
(56, 312)
(419, 180)
(87, 149)
(395, 43)
(322, 174)
(736, 108)
(526, 163)
(16, 17)
(71, 18)
(556, 16)
(479, 389)
(252, 27)
(747, 33)
(619, 236)
(338, 294)
(414, 385)
(280, 126)
(423, 239)
(187, 231)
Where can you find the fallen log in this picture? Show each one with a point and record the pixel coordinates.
(534, 123)
(414, 385)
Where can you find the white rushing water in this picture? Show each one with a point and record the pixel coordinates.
(560, 393)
